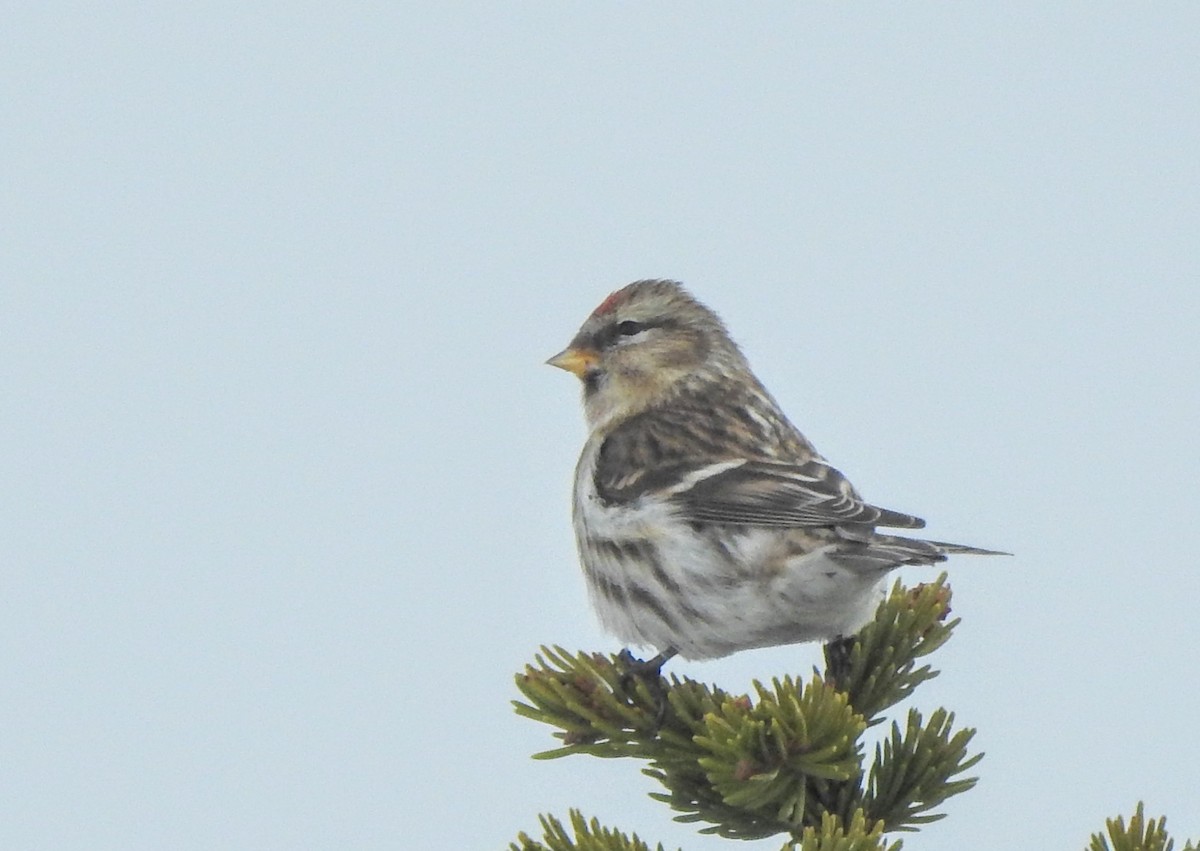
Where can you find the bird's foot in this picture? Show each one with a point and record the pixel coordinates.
(837, 660)
(649, 671)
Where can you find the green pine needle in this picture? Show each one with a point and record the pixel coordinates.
(1141, 834)
(784, 759)
(909, 625)
(833, 836)
(915, 771)
(588, 836)
(789, 759)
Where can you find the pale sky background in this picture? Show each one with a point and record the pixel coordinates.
(286, 483)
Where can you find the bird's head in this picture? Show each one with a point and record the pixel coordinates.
(641, 344)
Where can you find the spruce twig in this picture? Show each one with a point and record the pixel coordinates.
(588, 836)
(1141, 834)
(789, 757)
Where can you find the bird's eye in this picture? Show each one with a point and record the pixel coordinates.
(628, 328)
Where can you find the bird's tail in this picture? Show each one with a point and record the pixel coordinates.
(963, 549)
(897, 550)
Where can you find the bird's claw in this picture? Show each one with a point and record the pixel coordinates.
(837, 660)
(649, 671)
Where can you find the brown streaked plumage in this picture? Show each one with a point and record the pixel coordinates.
(706, 522)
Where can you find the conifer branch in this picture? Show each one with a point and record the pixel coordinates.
(909, 625)
(913, 772)
(587, 837)
(833, 836)
(790, 759)
(785, 760)
(1139, 835)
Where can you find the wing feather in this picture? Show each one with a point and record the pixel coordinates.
(721, 466)
(761, 493)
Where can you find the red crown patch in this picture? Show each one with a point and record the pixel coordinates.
(608, 305)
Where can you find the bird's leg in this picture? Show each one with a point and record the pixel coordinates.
(649, 671)
(837, 659)
(634, 667)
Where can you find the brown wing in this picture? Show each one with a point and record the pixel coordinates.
(761, 493)
(724, 466)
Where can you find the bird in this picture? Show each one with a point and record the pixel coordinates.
(706, 522)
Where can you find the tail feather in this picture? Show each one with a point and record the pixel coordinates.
(963, 549)
(885, 552)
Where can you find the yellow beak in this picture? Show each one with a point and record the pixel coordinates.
(578, 361)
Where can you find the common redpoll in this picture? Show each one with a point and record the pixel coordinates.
(706, 522)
